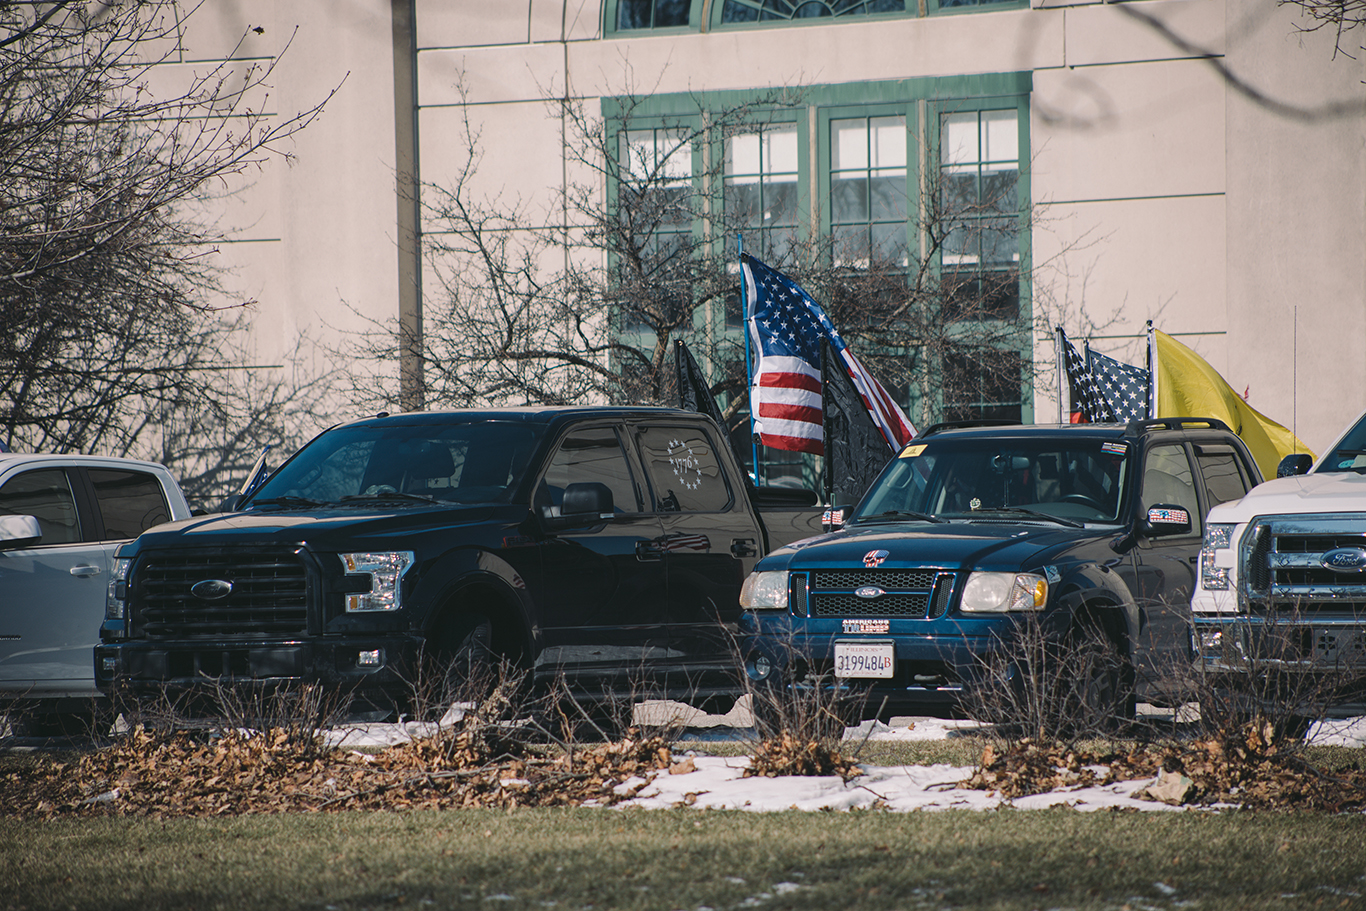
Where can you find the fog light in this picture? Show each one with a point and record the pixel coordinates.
(760, 667)
(371, 658)
(1211, 640)
(110, 665)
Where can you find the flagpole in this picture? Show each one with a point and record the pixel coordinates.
(1152, 372)
(1058, 358)
(749, 369)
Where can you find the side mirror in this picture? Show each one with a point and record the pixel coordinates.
(1296, 463)
(17, 532)
(584, 503)
(1167, 519)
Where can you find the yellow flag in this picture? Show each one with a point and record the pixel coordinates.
(1188, 387)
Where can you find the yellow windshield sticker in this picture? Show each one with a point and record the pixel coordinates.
(913, 450)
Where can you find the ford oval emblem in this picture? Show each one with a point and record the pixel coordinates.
(211, 589)
(1345, 559)
(869, 591)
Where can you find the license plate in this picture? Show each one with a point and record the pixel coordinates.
(864, 659)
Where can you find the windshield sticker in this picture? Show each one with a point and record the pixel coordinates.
(1118, 448)
(913, 450)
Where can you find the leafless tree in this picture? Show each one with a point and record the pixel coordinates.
(653, 259)
(1338, 16)
(106, 277)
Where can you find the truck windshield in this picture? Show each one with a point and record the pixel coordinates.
(1069, 480)
(1350, 452)
(476, 462)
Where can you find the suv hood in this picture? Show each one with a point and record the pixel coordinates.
(1002, 546)
(1333, 491)
(316, 526)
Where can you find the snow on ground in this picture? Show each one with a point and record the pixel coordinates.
(719, 782)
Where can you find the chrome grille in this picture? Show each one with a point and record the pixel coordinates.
(915, 594)
(269, 594)
(1284, 571)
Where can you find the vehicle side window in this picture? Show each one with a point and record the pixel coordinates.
(46, 495)
(130, 502)
(1224, 481)
(1167, 479)
(590, 455)
(684, 470)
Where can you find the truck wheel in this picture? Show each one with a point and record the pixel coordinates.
(461, 668)
(1104, 698)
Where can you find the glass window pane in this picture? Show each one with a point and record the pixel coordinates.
(1223, 481)
(744, 203)
(780, 203)
(45, 495)
(130, 502)
(998, 190)
(849, 146)
(849, 199)
(674, 154)
(958, 138)
(888, 196)
(671, 12)
(1167, 479)
(1001, 132)
(742, 154)
(888, 142)
(889, 242)
(782, 150)
(590, 456)
(684, 470)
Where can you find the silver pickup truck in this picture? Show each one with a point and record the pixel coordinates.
(61, 517)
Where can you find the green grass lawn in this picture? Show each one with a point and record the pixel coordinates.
(688, 859)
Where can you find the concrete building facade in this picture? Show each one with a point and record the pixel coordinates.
(1197, 163)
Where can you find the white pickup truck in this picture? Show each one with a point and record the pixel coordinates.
(1282, 582)
(61, 517)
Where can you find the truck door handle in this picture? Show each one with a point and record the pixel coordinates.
(744, 547)
(648, 551)
(84, 571)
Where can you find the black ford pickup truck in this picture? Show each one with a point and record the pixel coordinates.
(607, 545)
(969, 532)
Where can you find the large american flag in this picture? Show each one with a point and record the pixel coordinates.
(1124, 386)
(786, 327)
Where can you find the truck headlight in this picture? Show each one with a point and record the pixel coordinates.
(386, 574)
(1217, 537)
(1002, 592)
(116, 595)
(764, 591)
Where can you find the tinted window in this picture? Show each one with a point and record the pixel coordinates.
(973, 476)
(46, 495)
(476, 462)
(130, 501)
(589, 456)
(683, 470)
(1167, 479)
(1223, 479)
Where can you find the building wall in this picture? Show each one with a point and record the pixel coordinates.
(1198, 163)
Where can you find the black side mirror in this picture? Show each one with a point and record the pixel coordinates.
(584, 503)
(1166, 519)
(1297, 463)
(17, 532)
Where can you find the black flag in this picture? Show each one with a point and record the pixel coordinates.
(695, 395)
(855, 449)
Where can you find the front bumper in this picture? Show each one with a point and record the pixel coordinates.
(937, 663)
(379, 664)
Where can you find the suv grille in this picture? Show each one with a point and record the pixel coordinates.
(269, 595)
(1285, 572)
(916, 594)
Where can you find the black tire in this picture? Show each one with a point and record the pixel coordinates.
(1104, 698)
(460, 665)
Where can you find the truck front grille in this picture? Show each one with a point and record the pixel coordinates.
(1284, 570)
(269, 595)
(917, 594)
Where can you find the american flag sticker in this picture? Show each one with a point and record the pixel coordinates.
(1117, 448)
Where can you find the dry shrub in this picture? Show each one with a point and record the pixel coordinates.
(787, 754)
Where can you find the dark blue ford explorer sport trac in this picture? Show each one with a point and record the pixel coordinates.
(973, 534)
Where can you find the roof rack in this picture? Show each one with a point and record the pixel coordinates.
(1136, 427)
(960, 425)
